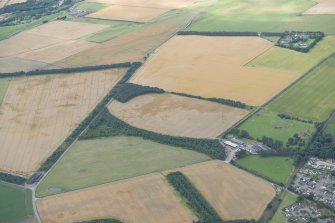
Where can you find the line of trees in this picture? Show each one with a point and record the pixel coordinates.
(128, 91)
(75, 134)
(194, 199)
(12, 178)
(108, 125)
(223, 33)
(107, 220)
(229, 102)
(66, 70)
(285, 116)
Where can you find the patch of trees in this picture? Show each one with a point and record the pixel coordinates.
(35, 178)
(108, 125)
(269, 34)
(108, 220)
(12, 178)
(128, 91)
(30, 10)
(76, 133)
(66, 70)
(194, 199)
(229, 102)
(185, 33)
(285, 116)
(241, 133)
(322, 145)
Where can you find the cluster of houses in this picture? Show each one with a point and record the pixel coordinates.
(317, 184)
(301, 212)
(252, 147)
(299, 39)
(319, 164)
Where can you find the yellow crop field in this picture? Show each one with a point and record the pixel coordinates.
(176, 115)
(214, 68)
(39, 112)
(234, 193)
(322, 7)
(145, 199)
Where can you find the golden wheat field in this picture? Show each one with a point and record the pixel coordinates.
(159, 4)
(145, 199)
(322, 7)
(177, 115)
(39, 112)
(234, 193)
(214, 68)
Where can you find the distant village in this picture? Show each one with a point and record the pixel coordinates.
(300, 41)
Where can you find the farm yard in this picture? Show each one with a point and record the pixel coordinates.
(313, 97)
(322, 7)
(113, 158)
(145, 199)
(180, 67)
(177, 115)
(15, 204)
(39, 112)
(233, 193)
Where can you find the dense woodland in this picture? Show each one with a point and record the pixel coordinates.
(128, 91)
(12, 179)
(31, 10)
(75, 134)
(108, 125)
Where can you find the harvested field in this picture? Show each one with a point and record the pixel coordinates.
(159, 4)
(215, 68)
(13, 64)
(322, 7)
(235, 194)
(128, 13)
(131, 47)
(38, 113)
(177, 116)
(146, 199)
(15, 1)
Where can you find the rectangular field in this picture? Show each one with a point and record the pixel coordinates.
(177, 116)
(15, 203)
(38, 113)
(313, 97)
(13, 64)
(128, 13)
(235, 194)
(276, 168)
(113, 158)
(159, 4)
(215, 68)
(4, 83)
(146, 199)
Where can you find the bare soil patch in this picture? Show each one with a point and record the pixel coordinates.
(39, 112)
(177, 115)
(214, 67)
(146, 199)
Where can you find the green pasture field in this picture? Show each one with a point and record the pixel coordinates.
(288, 200)
(286, 59)
(4, 83)
(263, 16)
(276, 168)
(313, 97)
(15, 203)
(267, 123)
(98, 161)
(331, 126)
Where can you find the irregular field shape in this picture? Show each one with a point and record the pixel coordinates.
(322, 7)
(128, 48)
(275, 168)
(113, 158)
(313, 97)
(233, 193)
(39, 112)
(15, 203)
(176, 115)
(66, 30)
(288, 200)
(286, 59)
(58, 51)
(146, 199)
(161, 4)
(13, 64)
(128, 13)
(215, 68)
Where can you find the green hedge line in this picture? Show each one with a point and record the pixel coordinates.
(65, 70)
(75, 134)
(128, 91)
(185, 33)
(9, 178)
(108, 220)
(108, 125)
